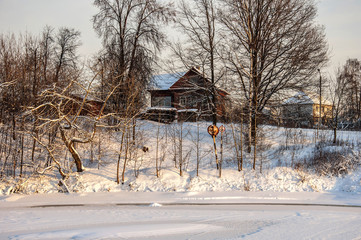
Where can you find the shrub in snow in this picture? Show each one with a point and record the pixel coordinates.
(333, 161)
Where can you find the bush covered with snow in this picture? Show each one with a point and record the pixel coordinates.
(334, 161)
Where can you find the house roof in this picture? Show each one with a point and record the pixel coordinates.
(177, 80)
(165, 81)
(306, 98)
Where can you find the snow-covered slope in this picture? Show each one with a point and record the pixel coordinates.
(282, 164)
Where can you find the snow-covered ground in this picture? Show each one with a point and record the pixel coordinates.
(195, 207)
(186, 215)
(282, 163)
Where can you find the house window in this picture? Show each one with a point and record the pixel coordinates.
(162, 101)
(205, 105)
(190, 101)
(187, 101)
(183, 101)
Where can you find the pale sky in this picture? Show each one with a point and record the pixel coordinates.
(341, 18)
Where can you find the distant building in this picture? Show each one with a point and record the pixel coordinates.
(303, 110)
(91, 106)
(184, 95)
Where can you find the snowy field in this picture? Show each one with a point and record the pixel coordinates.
(187, 215)
(286, 197)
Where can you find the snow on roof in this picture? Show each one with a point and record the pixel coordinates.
(198, 70)
(162, 108)
(165, 81)
(188, 110)
(299, 98)
(303, 98)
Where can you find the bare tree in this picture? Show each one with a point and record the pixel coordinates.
(198, 22)
(10, 63)
(198, 147)
(30, 65)
(71, 116)
(338, 90)
(20, 82)
(180, 154)
(131, 34)
(157, 159)
(273, 46)
(351, 73)
(126, 154)
(125, 125)
(66, 43)
(47, 51)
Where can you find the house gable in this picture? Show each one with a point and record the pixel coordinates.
(190, 80)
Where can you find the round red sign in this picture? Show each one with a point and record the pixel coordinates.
(222, 129)
(213, 130)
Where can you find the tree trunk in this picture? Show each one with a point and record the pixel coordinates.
(134, 130)
(241, 141)
(119, 156)
(250, 122)
(125, 157)
(73, 152)
(221, 160)
(156, 154)
(22, 155)
(181, 150)
(35, 131)
(335, 130)
(76, 157)
(255, 141)
(197, 146)
(236, 148)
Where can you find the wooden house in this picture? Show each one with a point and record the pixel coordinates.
(185, 95)
(303, 110)
(91, 107)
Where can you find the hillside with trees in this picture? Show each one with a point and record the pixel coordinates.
(61, 116)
